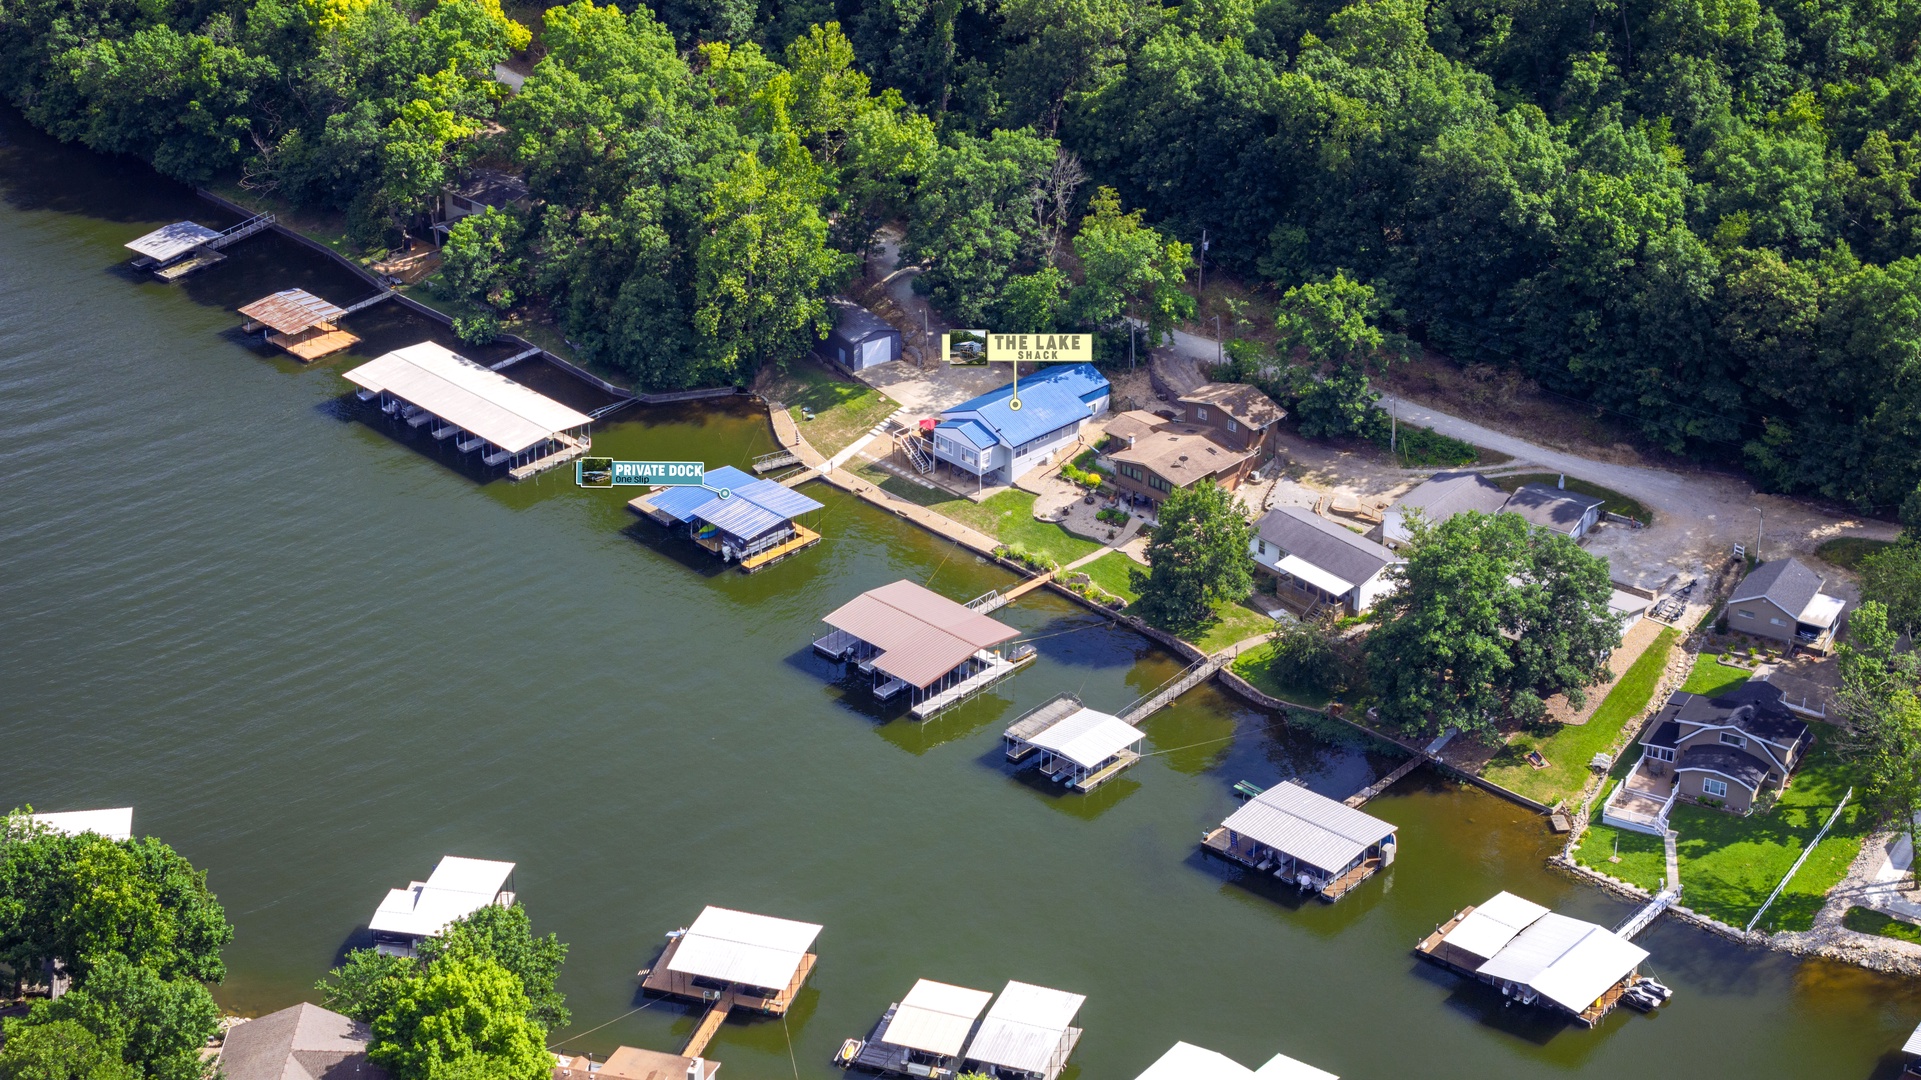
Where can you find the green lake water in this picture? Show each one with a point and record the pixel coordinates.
(316, 657)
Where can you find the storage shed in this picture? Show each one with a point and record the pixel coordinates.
(1310, 840)
(860, 339)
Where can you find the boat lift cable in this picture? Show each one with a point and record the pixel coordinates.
(790, 1046)
(615, 1020)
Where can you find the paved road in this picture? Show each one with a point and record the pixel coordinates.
(1699, 516)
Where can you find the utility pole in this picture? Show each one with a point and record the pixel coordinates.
(1131, 328)
(1200, 289)
(1220, 346)
(1758, 526)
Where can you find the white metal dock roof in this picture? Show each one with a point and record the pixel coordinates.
(169, 242)
(1567, 961)
(113, 824)
(457, 888)
(1914, 1043)
(935, 1017)
(1025, 1027)
(1489, 927)
(1185, 1061)
(1086, 737)
(1313, 828)
(741, 947)
(467, 395)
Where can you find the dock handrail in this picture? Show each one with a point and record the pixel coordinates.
(1190, 676)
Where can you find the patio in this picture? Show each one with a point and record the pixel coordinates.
(1641, 802)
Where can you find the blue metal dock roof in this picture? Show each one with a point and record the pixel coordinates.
(681, 502)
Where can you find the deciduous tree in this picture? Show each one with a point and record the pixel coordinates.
(1197, 558)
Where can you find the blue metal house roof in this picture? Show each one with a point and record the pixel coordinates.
(971, 430)
(1045, 407)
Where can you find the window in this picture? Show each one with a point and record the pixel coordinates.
(1159, 484)
(1200, 413)
(1232, 426)
(1745, 614)
(1660, 753)
(1775, 621)
(1732, 739)
(1260, 546)
(1132, 472)
(1716, 788)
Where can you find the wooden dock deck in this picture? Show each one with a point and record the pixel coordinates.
(315, 343)
(199, 260)
(994, 669)
(803, 538)
(570, 449)
(1346, 883)
(659, 980)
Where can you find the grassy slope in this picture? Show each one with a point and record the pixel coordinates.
(1570, 748)
(1847, 552)
(1237, 622)
(843, 409)
(1110, 572)
(1252, 665)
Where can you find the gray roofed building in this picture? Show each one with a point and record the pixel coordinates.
(1323, 556)
(1782, 600)
(1440, 497)
(305, 1042)
(860, 339)
(1736, 765)
(1555, 509)
(1786, 583)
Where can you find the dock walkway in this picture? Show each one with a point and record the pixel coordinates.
(709, 1025)
(1196, 673)
(997, 600)
(571, 448)
(803, 538)
(994, 668)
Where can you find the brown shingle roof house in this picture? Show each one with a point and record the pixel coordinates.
(305, 1042)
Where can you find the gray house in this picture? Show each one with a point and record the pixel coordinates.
(860, 339)
(1555, 509)
(1320, 559)
(1440, 497)
(305, 1042)
(1783, 601)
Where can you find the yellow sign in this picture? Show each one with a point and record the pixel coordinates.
(1039, 348)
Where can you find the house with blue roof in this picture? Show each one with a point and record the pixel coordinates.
(995, 442)
(752, 524)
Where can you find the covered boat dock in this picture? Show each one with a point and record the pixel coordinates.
(1077, 746)
(753, 525)
(457, 888)
(1185, 1061)
(1315, 842)
(921, 1035)
(428, 385)
(174, 251)
(1537, 957)
(733, 959)
(299, 322)
(913, 640)
(1027, 1033)
(115, 824)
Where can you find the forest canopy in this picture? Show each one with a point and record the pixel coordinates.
(1702, 218)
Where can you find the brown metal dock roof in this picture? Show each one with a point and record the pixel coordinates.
(292, 310)
(921, 634)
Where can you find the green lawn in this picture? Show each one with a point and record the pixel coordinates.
(1614, 502)
(843, 409)
(1009, 518)
(1252, 665)
(1868, 921)
(1729, 864)
(1569, 748)
(1711, 677)
(1111, 571)
(1847, 552)
(1237, 622)
(1643, 857)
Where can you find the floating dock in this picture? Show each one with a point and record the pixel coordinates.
(302, 324)
(1308, 840)
(174, 251)
(731, 960)
(921, 1035)
(1077, 746)
(913, 641)
(1537, 957)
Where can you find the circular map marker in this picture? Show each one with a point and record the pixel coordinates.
(724, 493)
(1014, 404)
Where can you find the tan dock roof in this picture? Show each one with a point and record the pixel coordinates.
(922, 635)
(741, 947)
(1025, 1028)
(935, 1017)
(467, 395)
(172, 241)
(292, 310)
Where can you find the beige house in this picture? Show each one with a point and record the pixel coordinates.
(1783, 601)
